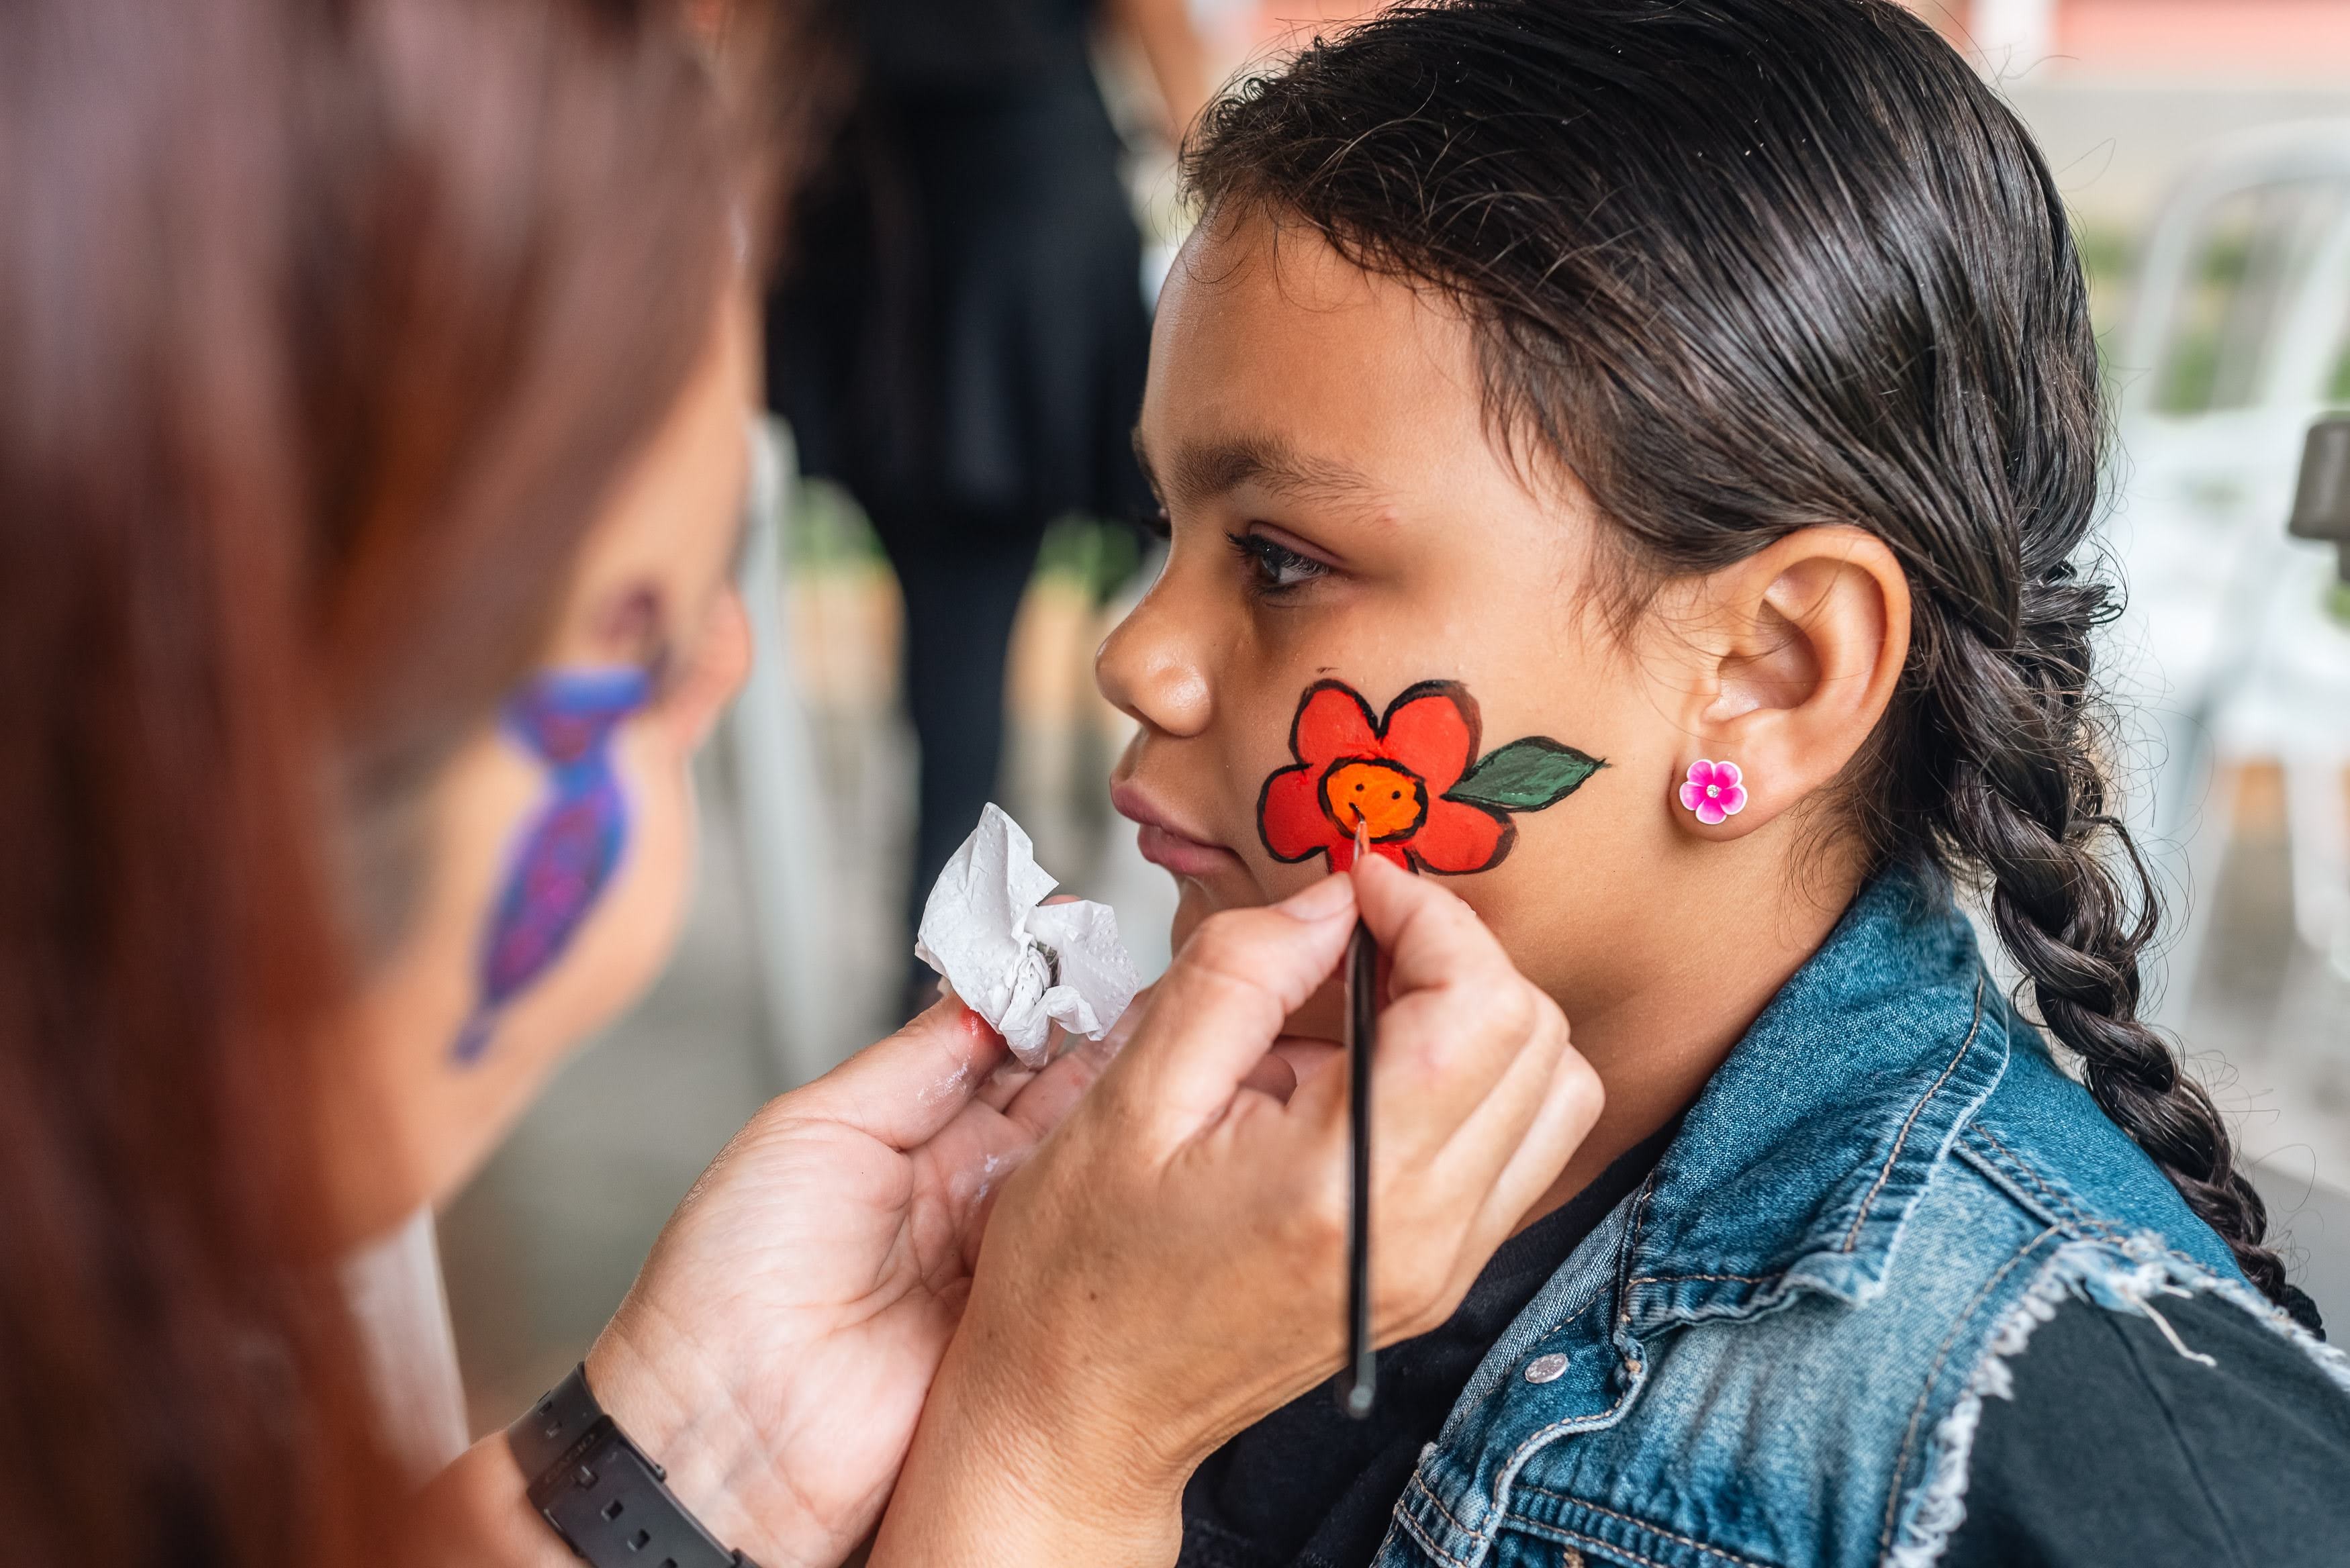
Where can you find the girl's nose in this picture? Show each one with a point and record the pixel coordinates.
(1148, 670)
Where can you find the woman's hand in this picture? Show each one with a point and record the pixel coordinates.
(775, 1351)
(1172, 1264)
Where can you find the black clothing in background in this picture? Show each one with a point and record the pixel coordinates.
(960, 332)
(957, 599)
(2116, 1449)
(1306, 1486)
(958, 338)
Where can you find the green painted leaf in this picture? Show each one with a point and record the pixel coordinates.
(1525, 776)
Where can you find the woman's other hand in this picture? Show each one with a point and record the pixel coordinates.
(773, 1354)
(776, 1350)
(1171, 1266)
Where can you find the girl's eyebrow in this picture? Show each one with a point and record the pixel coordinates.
(1207, 470)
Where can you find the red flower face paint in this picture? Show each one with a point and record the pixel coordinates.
(1412, 778)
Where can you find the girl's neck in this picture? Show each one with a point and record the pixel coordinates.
(1656, 1046)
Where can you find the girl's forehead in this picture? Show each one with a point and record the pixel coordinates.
(1269, 345)
(1259, 287)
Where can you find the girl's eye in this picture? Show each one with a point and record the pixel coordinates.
(1272, 566)
(1157, 523)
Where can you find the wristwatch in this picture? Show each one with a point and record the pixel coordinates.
(600, 1491)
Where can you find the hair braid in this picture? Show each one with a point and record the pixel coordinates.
(2073, 901)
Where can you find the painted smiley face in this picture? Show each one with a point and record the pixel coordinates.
(1391, 800)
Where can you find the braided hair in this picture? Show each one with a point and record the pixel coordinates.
(1749, 266)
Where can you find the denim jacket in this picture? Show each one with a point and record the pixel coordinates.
(1776, 1351)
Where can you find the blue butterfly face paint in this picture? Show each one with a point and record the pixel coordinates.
(568, 855)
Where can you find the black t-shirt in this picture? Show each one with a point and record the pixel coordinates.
(1310, 1487)
(2116, 1449)
(2113, 1449)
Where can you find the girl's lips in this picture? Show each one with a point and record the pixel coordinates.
(1165, 845)
(1184, 856)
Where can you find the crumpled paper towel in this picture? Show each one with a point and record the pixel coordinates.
(1022, 964)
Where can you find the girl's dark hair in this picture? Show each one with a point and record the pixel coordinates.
(325, 328)
(1747, 266)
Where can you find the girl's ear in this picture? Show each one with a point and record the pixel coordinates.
(1800, 647)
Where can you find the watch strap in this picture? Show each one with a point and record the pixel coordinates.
(603, 1494)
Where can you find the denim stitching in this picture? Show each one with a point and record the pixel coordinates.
(1910, 1436)
(1675, 1278)
(2061, 1207)
(2009, 1184)
(1631, 1249)
(1643, 1524)
(1639, 1215)
(2070, 1204)
(1429, 1493)
(1852, 1237)
(1578, 1538)
(1412, 1529)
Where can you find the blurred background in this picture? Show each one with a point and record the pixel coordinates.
(2204, 146)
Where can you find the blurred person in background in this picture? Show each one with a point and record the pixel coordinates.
(373, 381)
(961, 335)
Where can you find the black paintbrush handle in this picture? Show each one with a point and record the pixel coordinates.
(1358, 1384)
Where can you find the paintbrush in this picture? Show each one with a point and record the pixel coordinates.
(1358, 1384)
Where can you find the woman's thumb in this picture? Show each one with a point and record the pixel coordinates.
(1225, 998)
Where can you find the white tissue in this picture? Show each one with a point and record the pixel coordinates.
(1022, 964)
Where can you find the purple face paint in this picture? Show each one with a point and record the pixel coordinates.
(566, 719)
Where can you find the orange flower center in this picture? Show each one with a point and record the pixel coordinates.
(1390, 799)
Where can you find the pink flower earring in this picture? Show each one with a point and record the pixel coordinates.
(1714, 791)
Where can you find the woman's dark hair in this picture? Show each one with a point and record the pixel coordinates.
(1747, 266)
(325, 328)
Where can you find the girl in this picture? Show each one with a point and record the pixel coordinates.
(373, 379)
(1637, 457)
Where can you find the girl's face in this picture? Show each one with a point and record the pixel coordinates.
(561, 836)
(1340, 512)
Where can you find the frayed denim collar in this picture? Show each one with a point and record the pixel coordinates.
(1798, 1165)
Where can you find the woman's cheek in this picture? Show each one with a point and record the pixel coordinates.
(652, 899)
(626, 938)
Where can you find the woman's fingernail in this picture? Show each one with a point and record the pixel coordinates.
(1319, 900)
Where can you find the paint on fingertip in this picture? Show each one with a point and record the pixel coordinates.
(955, 1086)
(972, 1187)
(974, 1024)
(566, 857)
(993, 1166)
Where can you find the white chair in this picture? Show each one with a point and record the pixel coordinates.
(2223, 655)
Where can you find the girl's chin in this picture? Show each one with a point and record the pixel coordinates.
(1197, 897)
(1193, 905)
(1231, 886)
